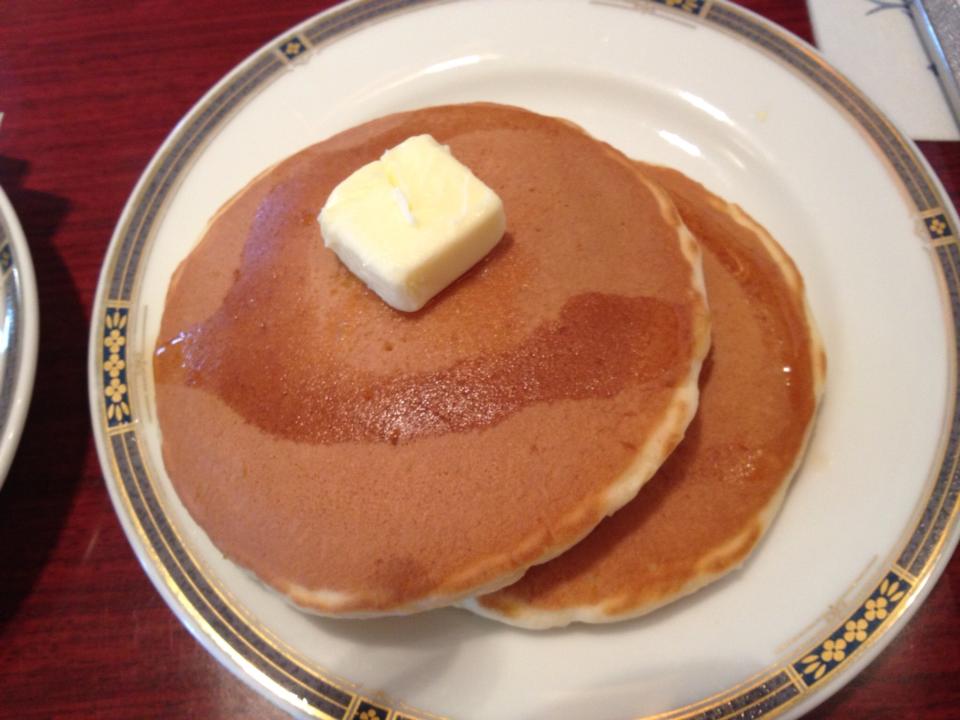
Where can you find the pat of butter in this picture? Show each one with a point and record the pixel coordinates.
(412, 222)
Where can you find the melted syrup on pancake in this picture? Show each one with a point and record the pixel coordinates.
(251, 354)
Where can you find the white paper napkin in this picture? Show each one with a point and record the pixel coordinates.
(875, 44)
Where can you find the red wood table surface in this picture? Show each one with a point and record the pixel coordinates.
(90, 89)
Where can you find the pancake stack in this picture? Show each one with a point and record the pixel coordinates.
(364, 461)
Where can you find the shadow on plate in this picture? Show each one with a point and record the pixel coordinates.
(429, 641)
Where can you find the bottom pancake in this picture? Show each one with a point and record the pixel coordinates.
(711, 502)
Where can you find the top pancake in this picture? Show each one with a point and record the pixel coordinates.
(713, 499)
(363, 460)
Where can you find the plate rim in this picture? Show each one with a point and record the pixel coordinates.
(781, 690)
(16, 266)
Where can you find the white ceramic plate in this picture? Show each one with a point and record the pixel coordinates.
(729, 99)
(19, 332)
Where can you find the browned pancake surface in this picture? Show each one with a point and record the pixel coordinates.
(711, 501)
(363, 459)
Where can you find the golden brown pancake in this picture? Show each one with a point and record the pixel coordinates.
(713, 499)
(363, 460)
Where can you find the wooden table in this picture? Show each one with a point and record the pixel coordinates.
(90, 90)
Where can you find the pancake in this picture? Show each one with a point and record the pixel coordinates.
(365, 461)
(711, 502)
